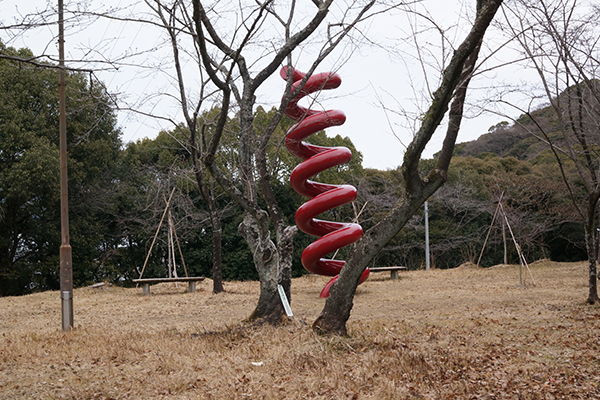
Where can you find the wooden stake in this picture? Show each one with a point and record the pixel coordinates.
(490, 230)
(504, 242)
(172, 246)
(521, 256)
(180, 252)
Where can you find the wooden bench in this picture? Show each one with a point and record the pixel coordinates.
(394, 270)
(146, 282)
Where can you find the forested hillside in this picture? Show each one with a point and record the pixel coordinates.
(119, 192)
(509, 162)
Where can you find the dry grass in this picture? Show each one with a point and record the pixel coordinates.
(466, 333)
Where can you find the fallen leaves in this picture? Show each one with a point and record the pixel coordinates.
(407, 341)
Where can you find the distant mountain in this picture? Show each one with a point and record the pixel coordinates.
(516, 140)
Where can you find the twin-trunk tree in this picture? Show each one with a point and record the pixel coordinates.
(236, 79)
(228, 72)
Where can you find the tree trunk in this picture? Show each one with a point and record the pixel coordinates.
(336, 312)
(590, 242)
(338, 305)
(6, 270)
(593, 287)
(255, 230)
(217, 273)
(285, 249)
(215, 220)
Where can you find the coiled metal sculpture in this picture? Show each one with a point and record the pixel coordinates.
(323, 197)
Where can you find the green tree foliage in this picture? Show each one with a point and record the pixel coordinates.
(538, 208)
(29, 173)
(165, 158)
(117, 196)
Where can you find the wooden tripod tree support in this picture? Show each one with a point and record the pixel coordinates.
(522, 260)
(490, 230)
(521, 256)
(178, 246)
(171, 229)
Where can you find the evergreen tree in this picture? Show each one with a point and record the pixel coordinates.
(29, 173)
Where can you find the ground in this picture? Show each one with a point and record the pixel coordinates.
(466, 333)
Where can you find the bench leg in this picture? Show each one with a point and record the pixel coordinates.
(191, 286)
(394, 275)
(146, 289)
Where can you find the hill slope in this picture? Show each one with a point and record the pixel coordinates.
(516, 140)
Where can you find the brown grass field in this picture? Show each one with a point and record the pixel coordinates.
(466, 333)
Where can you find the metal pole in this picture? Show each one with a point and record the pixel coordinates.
(66, 259)
(427, 260)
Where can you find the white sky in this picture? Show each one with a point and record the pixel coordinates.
(371, 76)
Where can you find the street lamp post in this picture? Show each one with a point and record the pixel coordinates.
(66, 259)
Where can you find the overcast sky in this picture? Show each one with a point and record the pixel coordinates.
(371, 77)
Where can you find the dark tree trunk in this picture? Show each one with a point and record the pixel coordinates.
(269, 308)
(593, 282)
(5, 273)
(215, 220)
(590, 242)
(7, 263)
(336, 312)
(285, 248)
(215, 217)
(217, 273)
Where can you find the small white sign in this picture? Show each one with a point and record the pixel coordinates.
(285, 302)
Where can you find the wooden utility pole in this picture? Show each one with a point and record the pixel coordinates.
(66, 259)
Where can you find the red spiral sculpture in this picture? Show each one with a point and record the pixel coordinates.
(323, 197)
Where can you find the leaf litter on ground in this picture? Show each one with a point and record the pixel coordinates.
(466, 333)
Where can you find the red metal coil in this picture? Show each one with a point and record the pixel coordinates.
(323, 197)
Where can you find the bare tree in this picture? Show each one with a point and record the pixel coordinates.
(177, 22)
(559, 40)
(228, 55)
(235, 48)
(237, 53)
(454, 85)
